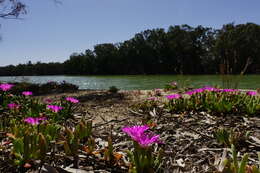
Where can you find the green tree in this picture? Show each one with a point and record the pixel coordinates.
(238, 47)
(106, 58)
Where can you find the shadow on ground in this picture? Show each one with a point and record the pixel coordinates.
(101, 96)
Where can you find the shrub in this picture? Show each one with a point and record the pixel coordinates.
(113, 89)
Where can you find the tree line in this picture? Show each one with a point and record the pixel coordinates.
(182, 49)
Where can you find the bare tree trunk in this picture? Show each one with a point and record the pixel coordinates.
(248, 62)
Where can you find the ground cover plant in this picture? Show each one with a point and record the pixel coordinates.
(200, 107)
(33, 132)
(210, 99)
(50, 134)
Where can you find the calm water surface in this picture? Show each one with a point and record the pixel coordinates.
(131, 82)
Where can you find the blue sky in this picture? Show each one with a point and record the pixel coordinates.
(52, 32)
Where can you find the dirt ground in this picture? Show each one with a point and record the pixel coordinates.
(102, 106)
(189, 145)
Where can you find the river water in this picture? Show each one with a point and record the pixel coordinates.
(130, 82)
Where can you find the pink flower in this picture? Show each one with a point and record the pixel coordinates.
(218, 90)
(55, 108)
(27, 93)
(208, 88)
(190, 92)
(229, 90)
(137, 133)
(34, 120)
(173, 83)
(13, 106)
(148, 139)
(48, 100)
(157, 90)
(173, 96)
(72, 100)
(199, 90)
(6, 86)
(251, 93)
(152, 98)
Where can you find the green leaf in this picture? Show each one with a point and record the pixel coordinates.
(43, 146)
(234, 155)
(242, 167)
(18, 145)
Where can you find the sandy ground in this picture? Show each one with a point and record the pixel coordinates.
(103, 106)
